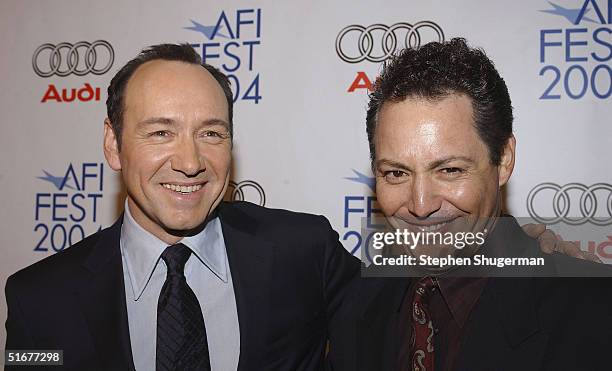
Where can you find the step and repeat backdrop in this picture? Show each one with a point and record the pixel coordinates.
(301, 72)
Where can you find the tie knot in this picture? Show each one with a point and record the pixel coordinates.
(424, 287)
(175, 257)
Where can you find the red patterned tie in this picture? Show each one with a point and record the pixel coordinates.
(421, 346)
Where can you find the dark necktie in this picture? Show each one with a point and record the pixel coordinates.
(422, 344)
(181, 335)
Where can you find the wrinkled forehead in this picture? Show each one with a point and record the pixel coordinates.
(161, 85)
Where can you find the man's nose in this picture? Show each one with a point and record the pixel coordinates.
(187, 158)
(424, 199)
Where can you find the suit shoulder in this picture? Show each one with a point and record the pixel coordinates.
(577, 287)
(590, 268)
(374, 295)
(54, 266)
(280, 218)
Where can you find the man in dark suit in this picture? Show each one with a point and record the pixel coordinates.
(439, 125)
(182, 281)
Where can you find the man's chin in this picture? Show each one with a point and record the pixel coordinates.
(184, 230)
(189, 226)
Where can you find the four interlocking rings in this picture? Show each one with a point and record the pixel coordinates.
(72, 59)
(388, 41)
(561, 203)
(238, 192)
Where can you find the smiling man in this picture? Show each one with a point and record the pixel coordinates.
(172, 144)
(182, 280)
(439, 125)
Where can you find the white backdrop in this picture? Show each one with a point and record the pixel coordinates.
(299, 130)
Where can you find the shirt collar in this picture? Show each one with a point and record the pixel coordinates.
(460, 295)
(142, 251)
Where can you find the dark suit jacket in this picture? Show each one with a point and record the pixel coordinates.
(288, 269)
(517, 324)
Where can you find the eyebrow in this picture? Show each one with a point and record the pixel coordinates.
(431, 166)
(170, 122)
(157, 120)
(446, 160)
(392, 163)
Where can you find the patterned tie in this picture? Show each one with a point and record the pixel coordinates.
(421, 345)
(181, 335)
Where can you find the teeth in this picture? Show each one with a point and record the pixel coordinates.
(182, 189)
(431, 228)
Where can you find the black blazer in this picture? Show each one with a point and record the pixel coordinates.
(288, 269)
(517, 324)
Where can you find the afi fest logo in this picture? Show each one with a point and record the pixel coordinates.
(575, 55)
(79, 59)
(359, 209)
(231, 43)
(378, 42)
(67, 203)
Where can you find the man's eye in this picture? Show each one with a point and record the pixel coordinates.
(452, 170)
(214, 136)
(395, 176)
(212, 133)
(160, 133)
(395, 173)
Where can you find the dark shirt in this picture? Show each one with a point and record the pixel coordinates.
(450, 305)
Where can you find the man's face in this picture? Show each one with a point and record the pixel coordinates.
(431, 166)
(175, 150)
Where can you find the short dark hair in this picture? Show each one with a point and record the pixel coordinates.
(437, 70)
(115, 104)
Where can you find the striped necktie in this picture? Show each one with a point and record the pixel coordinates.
(181, 335)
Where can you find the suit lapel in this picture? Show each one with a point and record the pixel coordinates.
(251, 265)
(503, 331)
(516, 302)
(102, 298)
(506, 318)
(377, 333)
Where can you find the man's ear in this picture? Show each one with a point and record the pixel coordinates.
(111, 147)
(506, 164)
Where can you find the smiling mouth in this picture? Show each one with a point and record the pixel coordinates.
(182, 188)
(431, 228)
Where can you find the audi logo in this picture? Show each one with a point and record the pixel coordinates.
(80, 58)
(389, 40)
(245, 190)
(561, 202)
